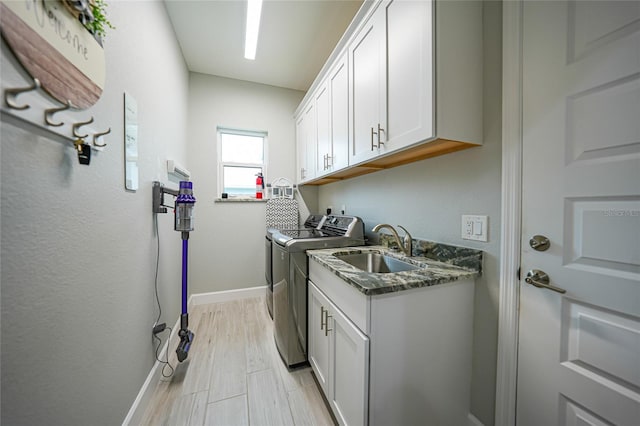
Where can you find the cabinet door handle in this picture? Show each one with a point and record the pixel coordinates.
(373, 133)
(322, 311)
(380, 130)
(326, 323)
(327, 164)
(302, 173)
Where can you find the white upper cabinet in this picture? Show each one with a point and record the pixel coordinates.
(323, 129)
(409, 64)
(305, 143)
(392, 68)
(414, 87)
(339, 86)
(332, 120)
(368, 79)
(300, 148)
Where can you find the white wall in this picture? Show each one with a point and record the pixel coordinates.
(78, 251)
(429, 197)
(227, 248)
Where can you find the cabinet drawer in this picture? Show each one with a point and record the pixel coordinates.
(355, 305)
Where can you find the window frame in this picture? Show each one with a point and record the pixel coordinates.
(220, 130)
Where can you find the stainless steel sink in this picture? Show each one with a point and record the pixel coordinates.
(376, 262)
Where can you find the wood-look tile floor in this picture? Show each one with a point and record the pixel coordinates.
(234, 375)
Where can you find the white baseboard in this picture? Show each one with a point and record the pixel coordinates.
(473, 421)
(227, 295)
(134, 416)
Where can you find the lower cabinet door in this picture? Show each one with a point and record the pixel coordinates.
(317, 340)
(349, 370)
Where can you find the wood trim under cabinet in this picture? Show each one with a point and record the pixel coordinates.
(400, 158)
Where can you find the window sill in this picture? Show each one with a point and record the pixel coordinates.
(240, 200)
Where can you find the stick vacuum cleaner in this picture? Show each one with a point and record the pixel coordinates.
(185, 202)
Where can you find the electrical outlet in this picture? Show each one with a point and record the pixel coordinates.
(159, 328)
(475, 227)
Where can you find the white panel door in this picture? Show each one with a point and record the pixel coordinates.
(579, 351)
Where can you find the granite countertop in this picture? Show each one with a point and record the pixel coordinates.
(439, 264)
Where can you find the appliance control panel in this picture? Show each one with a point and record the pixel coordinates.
(343, 225)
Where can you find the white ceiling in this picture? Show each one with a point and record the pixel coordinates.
(296, 37)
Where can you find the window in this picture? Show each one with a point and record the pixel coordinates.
(241, 156)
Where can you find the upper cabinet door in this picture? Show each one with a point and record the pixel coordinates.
(306, 143)
(301, 148)
(367, 60)
(409, 60)
(323, 130)
(332, 119)
(392, 78)
(310, 141)
(339, 86)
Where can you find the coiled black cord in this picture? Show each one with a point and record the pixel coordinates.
(155, 336)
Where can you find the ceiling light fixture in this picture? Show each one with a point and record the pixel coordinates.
(254, 9)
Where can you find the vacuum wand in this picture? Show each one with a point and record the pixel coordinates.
(185, 202)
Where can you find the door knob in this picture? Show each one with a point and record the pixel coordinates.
(540, 279)
(539, 242)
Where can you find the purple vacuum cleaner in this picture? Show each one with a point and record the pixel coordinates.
(184, 224)
(185, 202)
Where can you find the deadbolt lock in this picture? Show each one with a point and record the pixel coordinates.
(539, 242)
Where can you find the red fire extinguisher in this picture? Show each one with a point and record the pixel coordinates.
(259, 186)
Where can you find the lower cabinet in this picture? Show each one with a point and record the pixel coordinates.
(339, 356)
(400, 358)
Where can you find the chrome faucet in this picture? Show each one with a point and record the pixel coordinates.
(406, 245)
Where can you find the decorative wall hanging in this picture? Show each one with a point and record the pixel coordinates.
(54, 47)
(65, 61)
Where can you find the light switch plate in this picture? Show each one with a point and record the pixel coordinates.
(475, 227)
